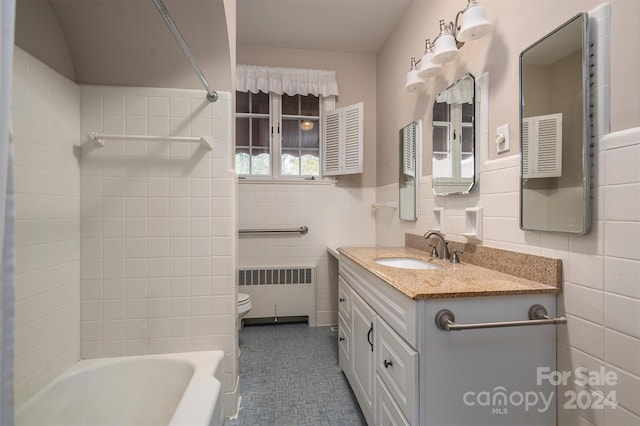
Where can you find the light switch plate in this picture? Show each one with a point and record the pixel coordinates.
(502, 143)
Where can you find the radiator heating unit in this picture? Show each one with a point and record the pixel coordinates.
(279, 294)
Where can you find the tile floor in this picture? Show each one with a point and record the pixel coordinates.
(289, 375)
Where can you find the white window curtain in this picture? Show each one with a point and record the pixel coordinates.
(292, 81)
(460, 93)
(7, 215)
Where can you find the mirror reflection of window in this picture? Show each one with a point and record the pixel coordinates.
(409, 141)
(453, 158)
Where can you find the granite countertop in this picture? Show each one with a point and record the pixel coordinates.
(452, 280)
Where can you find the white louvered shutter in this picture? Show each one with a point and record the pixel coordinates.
(527, 126)
(542, 146)
(342, 149)
(409, 150)
(549, 135)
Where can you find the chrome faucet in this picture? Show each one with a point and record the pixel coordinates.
(444, 251)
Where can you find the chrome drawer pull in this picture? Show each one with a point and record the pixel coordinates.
(445, 320)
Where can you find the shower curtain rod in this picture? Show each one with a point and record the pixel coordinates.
(212, 96)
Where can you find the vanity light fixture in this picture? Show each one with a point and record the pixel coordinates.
(414, 82)
(470, 24)
(427, 67)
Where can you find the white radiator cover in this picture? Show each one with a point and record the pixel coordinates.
(278, 291)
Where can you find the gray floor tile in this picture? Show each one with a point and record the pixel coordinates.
(289, 375)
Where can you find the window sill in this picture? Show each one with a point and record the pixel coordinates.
(262, 181)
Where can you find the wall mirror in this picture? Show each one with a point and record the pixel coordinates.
(454, 138)
(555, 131)
(409, 142)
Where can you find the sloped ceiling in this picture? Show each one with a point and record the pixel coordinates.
(127, 43)
(357, 26)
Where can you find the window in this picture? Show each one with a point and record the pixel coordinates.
(277, 135)
(453, 122)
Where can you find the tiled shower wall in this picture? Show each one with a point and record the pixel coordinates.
(601, 288)
(158, 226)
(335, 216)
(46, 120)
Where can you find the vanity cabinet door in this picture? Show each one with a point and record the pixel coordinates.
(397, 367)
(362, 355)
(344, 299)
(387, 411)
(344, 346)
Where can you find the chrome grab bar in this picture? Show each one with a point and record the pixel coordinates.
(302, 230)
(445, 320)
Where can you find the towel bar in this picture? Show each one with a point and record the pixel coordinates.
(445, 320)
(302, 230)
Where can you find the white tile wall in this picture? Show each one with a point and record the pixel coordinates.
(334, 215)
(46, 122)
(601, 289)
(158, 249)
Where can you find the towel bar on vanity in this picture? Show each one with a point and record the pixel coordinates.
(445, 320)
(302, 230)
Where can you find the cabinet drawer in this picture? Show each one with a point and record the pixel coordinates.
(387, 411)
(344, 344)
(397, 366)
(344, 299)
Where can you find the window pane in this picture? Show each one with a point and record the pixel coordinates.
(309, 135)
(290, 133)
(440, 111)
(260, 132)
(467, 166)
(311, 164)
(310, 105)
(290, 105)
(242, 102)
(243, 161)
(467, 139)
(260, 162)
(290, 163)
(242, 131)
(301, 105)
(440, 139)
(260, 103)
(467, 113)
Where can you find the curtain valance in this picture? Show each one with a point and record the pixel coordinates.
(292, 81)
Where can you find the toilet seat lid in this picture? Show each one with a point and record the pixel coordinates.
(243, 298)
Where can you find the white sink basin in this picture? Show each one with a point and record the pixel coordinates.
(406, 263)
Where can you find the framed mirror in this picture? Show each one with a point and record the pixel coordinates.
(409, 143)
(555, 131)
(454, 169)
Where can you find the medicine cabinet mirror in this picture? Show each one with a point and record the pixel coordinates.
(409, 142)
(555, 131)
(454, 138)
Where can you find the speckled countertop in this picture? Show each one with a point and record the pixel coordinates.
(452, 280)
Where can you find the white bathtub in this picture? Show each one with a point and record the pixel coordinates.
(171, 389)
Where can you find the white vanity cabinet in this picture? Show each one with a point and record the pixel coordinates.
(420, 375)
(380, 365)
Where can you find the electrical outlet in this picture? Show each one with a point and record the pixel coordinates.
(502, 139)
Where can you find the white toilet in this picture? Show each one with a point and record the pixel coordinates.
(244, 304)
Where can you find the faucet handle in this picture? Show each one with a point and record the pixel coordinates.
(454, 256)
(434, 251)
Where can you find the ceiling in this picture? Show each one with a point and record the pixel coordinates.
(126, 42)
(360, 26)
